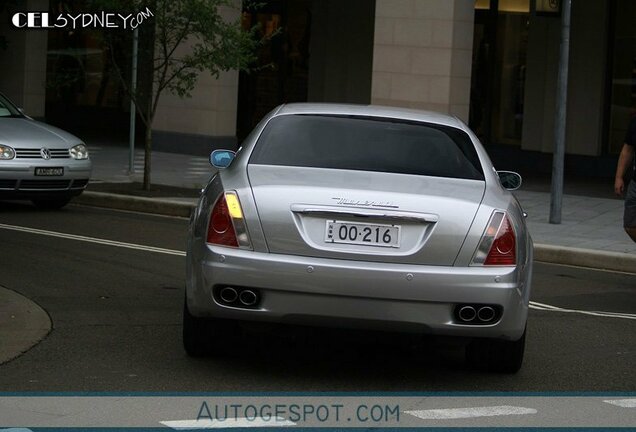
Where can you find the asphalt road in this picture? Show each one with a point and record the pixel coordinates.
(116, 314)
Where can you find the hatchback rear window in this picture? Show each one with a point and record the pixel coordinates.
(367, 144)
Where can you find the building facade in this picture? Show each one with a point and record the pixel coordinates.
(492, 63)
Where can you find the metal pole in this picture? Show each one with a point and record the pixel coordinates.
(558, 157)
(133, 109)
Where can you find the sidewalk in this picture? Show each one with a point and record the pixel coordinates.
(586, 222)
(111, 165)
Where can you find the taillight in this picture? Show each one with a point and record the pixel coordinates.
(227, 226)
(498, 245)
(220, 229)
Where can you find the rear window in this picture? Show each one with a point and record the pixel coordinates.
(367, 144)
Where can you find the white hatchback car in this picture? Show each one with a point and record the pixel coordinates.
(39, 162)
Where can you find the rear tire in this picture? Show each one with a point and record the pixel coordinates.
(51, 204)
(497, 355)
(204, 337)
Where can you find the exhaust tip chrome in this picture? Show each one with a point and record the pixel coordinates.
(467, 313)
(228, 295)
(486, 314)
(248, 297)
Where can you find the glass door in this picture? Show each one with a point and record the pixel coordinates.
(499, 67)
(622, 85)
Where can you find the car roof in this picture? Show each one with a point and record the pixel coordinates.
(370, 111)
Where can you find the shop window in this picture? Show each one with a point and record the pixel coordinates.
(514, 6)
(280, 73)
(482, 4)
(499, 68)
(83, 91)
(622, 83)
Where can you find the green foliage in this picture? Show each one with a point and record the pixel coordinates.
(183, 39)
(190, 37)
(216, 45)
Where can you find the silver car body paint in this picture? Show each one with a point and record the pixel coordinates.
(39, 145)
(304, 280)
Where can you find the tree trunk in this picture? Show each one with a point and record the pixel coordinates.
(147, 158)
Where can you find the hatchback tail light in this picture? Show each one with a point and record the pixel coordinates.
(498, 245)
(227, 225)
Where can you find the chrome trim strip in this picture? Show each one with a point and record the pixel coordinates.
(365, 213)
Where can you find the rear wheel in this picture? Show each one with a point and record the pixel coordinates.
(497, 355)
(51, 204)
(206, 336)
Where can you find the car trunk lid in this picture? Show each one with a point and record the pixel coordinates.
(362, 215)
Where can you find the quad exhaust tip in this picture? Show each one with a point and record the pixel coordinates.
(467, 313)
(237, 297)
(248, 298)
(228, 295)
(486, 314)
(477, 314)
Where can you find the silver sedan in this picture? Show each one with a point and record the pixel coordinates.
(39, 162)
(362, 217)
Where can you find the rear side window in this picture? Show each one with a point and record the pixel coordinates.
(367, 144)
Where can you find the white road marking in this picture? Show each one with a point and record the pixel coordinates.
(16, 430)
(229, 423)
(550, 308)
(533, 305)
(92, 240)
(464, 413)
(545, 307)
(588, 268)
(623, 403)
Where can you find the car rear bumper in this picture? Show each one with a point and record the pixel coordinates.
(317, 291)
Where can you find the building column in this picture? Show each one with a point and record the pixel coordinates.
(206, 120)
(23, 74)
(201, 123)
(422, 54)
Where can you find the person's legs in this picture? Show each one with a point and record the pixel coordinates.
(629, 218)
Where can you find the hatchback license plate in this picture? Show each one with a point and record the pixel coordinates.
(49, 171)
(362, 234)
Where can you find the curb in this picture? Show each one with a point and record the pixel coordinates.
(590, 258)
(603, 260)
(23, 324)
(165, 207)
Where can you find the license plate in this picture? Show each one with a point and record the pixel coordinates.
(362, 234)
(49, 171)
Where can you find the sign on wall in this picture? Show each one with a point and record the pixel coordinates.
(548, 7)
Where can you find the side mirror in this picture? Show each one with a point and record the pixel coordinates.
(221, 158)
(509, 180)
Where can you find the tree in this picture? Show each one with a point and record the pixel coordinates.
(188, 37)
